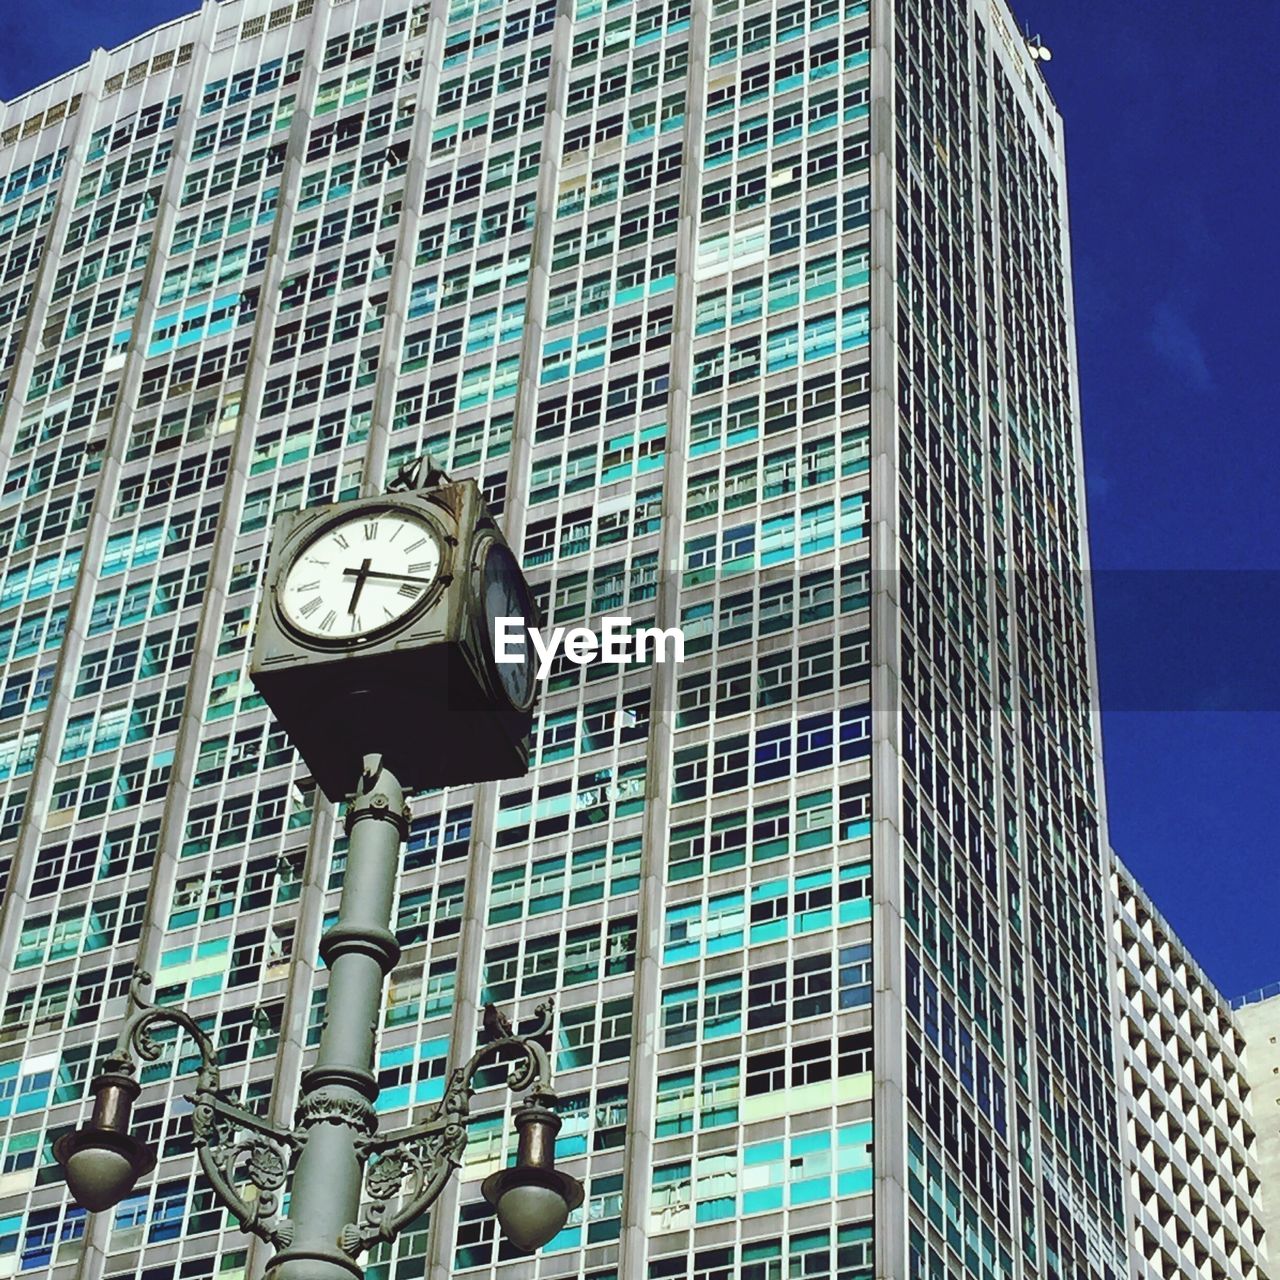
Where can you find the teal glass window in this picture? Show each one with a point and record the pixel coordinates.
(769, 908)
(719, 1095)
(763, 1176)
(674, 1111)
(723, 1008)
(716, 1188)
(855, 893)
(679, 1015)
(671, 1192)
(854, 1171)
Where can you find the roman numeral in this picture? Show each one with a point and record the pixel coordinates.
(413, 546)
(408, 590)
(310, 607)
(326, 623)
(423, 566)
(371, 531)
(341, 541)
(304, 587)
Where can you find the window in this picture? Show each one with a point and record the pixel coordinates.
(671, 1196)
(723, 1008)
(580, 1040)
(811, 986)
(767, 996)
(604, 1208)
(717, 1184)
(674, 1112)
(679, 1016)
(689, 935)
(810, 1063)
(413, 920)
(855, 976)
(20, 1152)
(854, 1053)
(718, 1099)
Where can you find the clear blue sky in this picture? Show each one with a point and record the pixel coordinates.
(1172, 114)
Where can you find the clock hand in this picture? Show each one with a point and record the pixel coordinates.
(373, 573)
(361, 576)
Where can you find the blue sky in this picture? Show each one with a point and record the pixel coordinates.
(1171, 117)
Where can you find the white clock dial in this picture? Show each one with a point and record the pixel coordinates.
(360, 575)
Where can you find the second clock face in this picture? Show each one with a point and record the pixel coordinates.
(504, 594)
(360, 575)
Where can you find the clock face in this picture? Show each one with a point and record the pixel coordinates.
(360, 575)
(503, 594)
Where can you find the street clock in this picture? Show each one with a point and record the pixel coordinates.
(379, 632)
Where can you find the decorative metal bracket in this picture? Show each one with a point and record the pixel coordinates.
(427, 1154)
(220, 1125)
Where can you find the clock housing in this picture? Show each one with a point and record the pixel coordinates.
(420, 687)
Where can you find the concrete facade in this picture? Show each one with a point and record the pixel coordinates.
(1258, 1018)
(1196, 1208)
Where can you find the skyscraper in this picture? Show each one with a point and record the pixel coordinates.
(752, 319)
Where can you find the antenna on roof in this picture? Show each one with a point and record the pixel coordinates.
(1039, 50)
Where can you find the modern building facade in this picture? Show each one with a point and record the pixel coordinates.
(752, 319)
(1257, 1017)
(1193, 1158)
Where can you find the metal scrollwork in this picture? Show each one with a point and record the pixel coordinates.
(233, 1144)
(425, 1156)
(424, 1159)
(524, 1071)
(228, 1157)
(136, 1032)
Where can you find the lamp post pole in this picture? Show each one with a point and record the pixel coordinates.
(336, 1108)
(351, 1187)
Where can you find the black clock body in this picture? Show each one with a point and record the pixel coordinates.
(424, 691)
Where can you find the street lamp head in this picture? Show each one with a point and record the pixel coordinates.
(101, 1167)
(102, 1160)
(532, 1204)
(533, 1199)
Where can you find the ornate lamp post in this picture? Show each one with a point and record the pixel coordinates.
(350, 1187)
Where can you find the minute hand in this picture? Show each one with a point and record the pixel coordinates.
(373, 573)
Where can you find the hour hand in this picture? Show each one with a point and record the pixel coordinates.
(361, 575)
